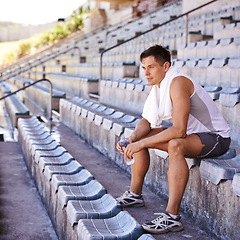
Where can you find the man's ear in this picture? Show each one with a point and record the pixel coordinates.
(166, 66)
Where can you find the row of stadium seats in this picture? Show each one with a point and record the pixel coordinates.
(72, 195)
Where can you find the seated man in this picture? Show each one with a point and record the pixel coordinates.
(198, 131)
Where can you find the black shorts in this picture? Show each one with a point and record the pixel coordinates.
(215, 145)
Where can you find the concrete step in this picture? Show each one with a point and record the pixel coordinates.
(22, 214)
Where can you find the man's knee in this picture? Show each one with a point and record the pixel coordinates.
(175, 146)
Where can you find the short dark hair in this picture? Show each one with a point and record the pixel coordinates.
(160, 53)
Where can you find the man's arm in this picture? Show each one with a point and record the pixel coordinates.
(180, 92)
(142, 129)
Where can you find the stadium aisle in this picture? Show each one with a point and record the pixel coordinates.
(22, 213)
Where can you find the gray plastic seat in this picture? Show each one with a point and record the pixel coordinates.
(118, 127)
(214, 92)
(29, 121)
(230, 153)
(49, 147)
(70, 168)
(37, 135)
(38, 139)
(38, 131)
(234, 62)
(27, 133)
(219, 62)
(104, 207)
(32, 127)
(123, 226)
(107, 124)
(81, 178)
(204, 63)
(91, 116)
(229, 97)
(146, 237)
(236, 184)
(57, 152)
(215, 170)
(115, 117)
(100, 117)
(90, 191)
(55, 161)
(40, 136)
(42, 143)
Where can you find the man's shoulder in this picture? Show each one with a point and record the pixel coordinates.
(182, 84)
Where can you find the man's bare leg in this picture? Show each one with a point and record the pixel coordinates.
(141, 165)
(139, 170)
(178, 172)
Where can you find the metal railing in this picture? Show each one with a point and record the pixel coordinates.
(43, 59)
(151, 29)
(31, 84)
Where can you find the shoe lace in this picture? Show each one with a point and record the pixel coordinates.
(161, 221)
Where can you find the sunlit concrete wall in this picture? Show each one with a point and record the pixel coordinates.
(14, 33)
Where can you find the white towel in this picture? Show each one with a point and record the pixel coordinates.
(158, 105)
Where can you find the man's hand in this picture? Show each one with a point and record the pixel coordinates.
(132, 148)
(119, 148)
(142, 129)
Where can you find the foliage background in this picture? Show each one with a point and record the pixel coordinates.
(10, 52)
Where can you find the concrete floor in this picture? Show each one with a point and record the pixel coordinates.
(22, 214)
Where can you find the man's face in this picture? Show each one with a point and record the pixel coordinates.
(153, 71)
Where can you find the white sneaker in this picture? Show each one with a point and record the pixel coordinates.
(128, 200)
(163, 224)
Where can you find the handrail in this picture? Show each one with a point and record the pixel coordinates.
(31, 84)
(149, 30)
(52, 56)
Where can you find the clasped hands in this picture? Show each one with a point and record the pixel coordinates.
(131, 148)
